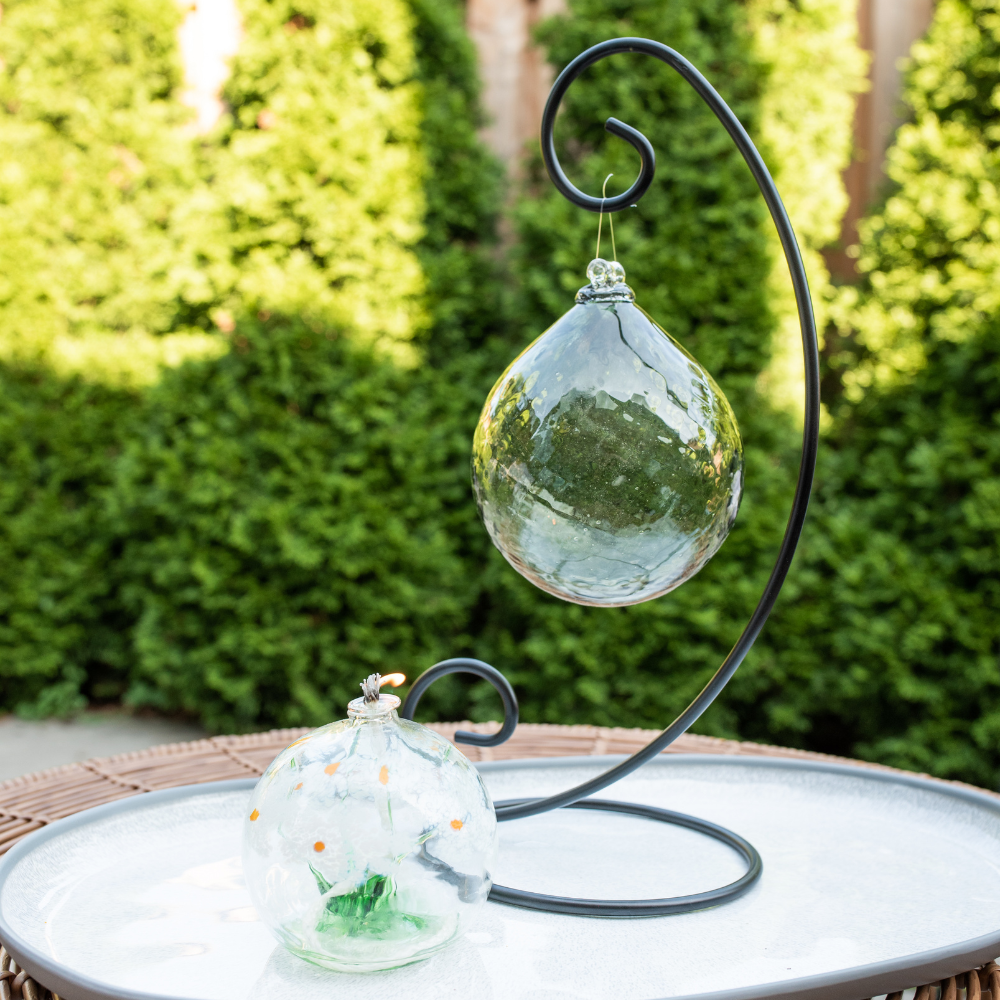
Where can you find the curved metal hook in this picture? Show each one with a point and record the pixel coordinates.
(632, 136)
(462, 665)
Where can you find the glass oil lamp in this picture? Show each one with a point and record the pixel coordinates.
(368, 843)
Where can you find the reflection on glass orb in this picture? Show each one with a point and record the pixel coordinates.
(607, 463)
(368, 843)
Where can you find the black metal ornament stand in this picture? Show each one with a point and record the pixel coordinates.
(577, 797)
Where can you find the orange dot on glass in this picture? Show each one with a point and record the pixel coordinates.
(331, 768)
(383, 775)
(254, 815)
(298, 786)
(319, 846)
(457, 824)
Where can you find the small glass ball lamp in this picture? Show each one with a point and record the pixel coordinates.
(369, 842)
(607, 464)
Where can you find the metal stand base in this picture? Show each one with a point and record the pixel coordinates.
(639, 907)
(522, 808)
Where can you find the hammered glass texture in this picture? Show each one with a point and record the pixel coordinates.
(369, 842)
(607, 464)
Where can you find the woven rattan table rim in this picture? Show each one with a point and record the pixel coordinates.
(35, 800)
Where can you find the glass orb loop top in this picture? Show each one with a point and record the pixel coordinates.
(607, 464)
(605, 274)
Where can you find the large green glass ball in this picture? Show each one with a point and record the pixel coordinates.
(607, 464)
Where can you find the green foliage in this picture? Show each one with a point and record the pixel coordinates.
(891, 647)
(59, 626)
(281, 518)
(931, 254)
(462, 190)
(815, 69)
(317, 173)
(127, 239)
(96, 221)
(321, 195)
(293, 516)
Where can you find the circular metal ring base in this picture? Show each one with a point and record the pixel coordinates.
(639, 907)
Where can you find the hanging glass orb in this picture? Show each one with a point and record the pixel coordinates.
(368, 843)
(607, 464)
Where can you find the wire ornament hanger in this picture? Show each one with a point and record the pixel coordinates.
(578, 796)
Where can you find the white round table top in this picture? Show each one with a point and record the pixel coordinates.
(872, 882)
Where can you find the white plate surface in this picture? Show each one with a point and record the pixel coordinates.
(871, 882)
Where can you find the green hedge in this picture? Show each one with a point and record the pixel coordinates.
(91, 181)
(167, 533)
(298, 511)
(129, 242)
(242, 536)
(61, 629)
(98, 237)
(317, 173)
(282, 520)
(891, 649)
(385, 204)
